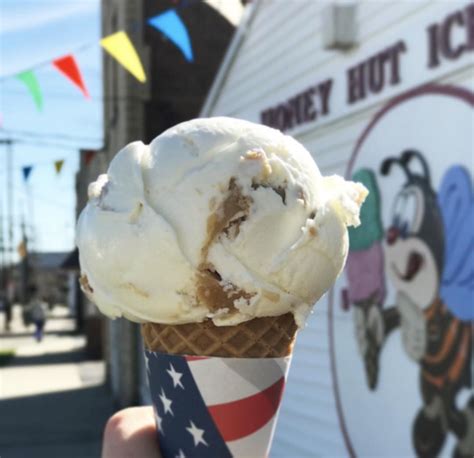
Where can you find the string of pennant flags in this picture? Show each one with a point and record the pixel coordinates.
(27, 169)
(58, 165)
(120, 47)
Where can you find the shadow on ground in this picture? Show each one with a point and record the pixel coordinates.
(67, 423)
(64, 423)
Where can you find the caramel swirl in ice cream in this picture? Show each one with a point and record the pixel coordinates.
(224, 221)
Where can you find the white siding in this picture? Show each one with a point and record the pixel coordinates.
(280, 56)
(288, 55)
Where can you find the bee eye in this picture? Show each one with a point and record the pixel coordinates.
(398, 211)
(407, 211)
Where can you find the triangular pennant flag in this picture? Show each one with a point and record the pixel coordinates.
(171, 25)
(22, 249)
(67, 65)
(27, 171)
(88, 156)
(29, 79)
(58, 165)
(119, 46)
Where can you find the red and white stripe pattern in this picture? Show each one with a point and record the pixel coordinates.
(243, 396)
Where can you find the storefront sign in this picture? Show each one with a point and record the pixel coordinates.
(373, 74)
(447, 41)
(304, 107)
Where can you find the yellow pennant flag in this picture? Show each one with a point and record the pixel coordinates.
(119, 46)
(58, 165)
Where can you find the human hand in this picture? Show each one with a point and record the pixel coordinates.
(131, 433)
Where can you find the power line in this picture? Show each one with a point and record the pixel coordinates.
(42, 135)
(41, 143)
(36, 164)
(45, 62)
(60, 95)
(66, 95)
(45, 163)
(40, 197)
(134, 26)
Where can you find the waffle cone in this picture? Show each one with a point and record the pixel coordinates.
(267, 337)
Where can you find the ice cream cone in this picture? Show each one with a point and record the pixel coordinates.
(267, 337)
(228, 379)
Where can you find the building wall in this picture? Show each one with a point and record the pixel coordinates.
(178, 91)
(123, 96)
(52, 285)
(89, 320)
(89, 170)
(46, 274)
(282, 55)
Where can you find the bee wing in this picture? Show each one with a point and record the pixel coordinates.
(456, 201)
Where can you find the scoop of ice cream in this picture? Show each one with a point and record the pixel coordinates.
(216, 219)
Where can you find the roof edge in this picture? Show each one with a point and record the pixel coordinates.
(221, 76)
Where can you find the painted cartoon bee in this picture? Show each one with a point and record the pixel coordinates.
(428, 250)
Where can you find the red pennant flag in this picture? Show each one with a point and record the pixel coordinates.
(67, 65)
(88, 156)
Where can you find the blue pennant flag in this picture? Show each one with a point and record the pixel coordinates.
(26, 172)
(171, 25)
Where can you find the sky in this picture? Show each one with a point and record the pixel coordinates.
(34, 32)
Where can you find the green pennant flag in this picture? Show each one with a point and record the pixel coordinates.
(31, 82)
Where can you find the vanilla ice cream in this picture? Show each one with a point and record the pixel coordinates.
(216, 219)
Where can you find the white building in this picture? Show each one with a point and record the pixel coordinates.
(382, 90)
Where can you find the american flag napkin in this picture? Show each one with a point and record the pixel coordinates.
(215, 407)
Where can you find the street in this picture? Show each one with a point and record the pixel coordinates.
(53, 401)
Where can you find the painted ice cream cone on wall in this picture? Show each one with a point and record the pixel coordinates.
(218, 237)
(365, 274)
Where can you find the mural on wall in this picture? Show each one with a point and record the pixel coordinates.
(409, 291)
(428, 256)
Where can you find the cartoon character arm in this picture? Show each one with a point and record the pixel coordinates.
(373, 325)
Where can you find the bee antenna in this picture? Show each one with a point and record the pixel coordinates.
(389, 162)
(409, 154)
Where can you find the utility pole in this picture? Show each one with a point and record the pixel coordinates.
(3, 283)
(8, 142)
(24, 264)
(9, 252)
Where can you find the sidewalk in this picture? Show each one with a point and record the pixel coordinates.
(53, 402)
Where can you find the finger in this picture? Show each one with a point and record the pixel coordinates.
(131, 433)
